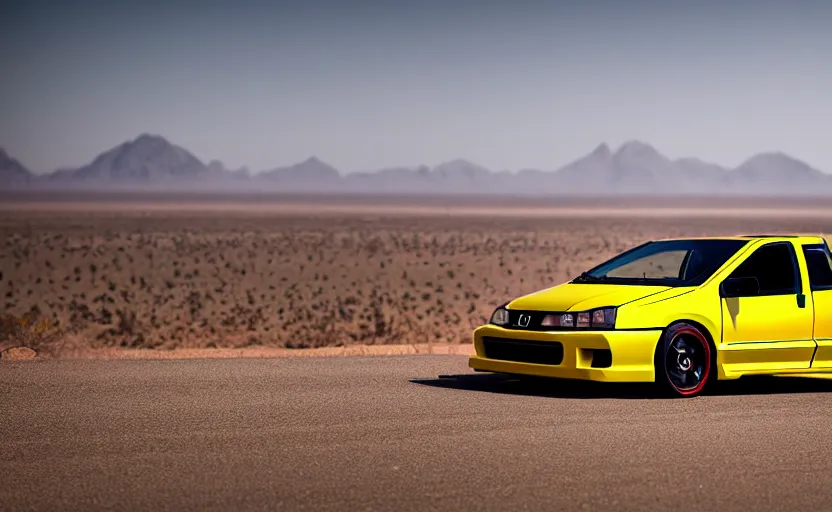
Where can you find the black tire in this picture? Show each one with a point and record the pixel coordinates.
(684, 361)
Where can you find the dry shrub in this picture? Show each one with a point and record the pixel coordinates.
(30, 331)
(165, 280)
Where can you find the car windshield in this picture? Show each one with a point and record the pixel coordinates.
(665, 263)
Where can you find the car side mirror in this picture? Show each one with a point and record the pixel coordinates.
(739, 287)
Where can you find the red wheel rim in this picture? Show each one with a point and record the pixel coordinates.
(688, 361)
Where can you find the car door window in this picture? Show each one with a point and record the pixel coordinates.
(820, 266)
(773, 265)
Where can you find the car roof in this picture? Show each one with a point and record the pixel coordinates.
(797, 237)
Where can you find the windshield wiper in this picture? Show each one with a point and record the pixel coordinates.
(586, 277)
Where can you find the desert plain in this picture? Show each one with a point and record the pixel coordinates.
(115, 275)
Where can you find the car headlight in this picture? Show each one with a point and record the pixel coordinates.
(500, 316)
(601, 318)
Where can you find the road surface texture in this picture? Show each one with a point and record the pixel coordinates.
(398, 433)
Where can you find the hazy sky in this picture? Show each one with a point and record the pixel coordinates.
(366, 84)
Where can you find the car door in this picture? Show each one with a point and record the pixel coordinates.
(769, 329)
(819, 263)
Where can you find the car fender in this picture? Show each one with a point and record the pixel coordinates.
(700, 305)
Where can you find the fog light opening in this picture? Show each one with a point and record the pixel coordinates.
(601, 358)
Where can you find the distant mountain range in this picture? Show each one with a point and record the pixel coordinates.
(12, 172)
(150, 163)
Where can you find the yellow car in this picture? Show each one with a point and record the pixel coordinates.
(681, 313)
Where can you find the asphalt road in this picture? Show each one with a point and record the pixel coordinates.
(388, 433)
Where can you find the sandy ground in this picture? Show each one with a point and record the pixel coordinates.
(133, 274)
(517, 210)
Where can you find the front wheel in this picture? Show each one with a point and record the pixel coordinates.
(683, 360)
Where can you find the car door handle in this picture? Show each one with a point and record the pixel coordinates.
(801, 300)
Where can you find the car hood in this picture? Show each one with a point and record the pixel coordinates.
(582, 297)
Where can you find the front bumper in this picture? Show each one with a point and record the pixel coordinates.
(631, 354)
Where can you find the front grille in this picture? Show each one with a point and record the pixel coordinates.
(523, 351)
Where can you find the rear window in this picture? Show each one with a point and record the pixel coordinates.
(819, 263)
